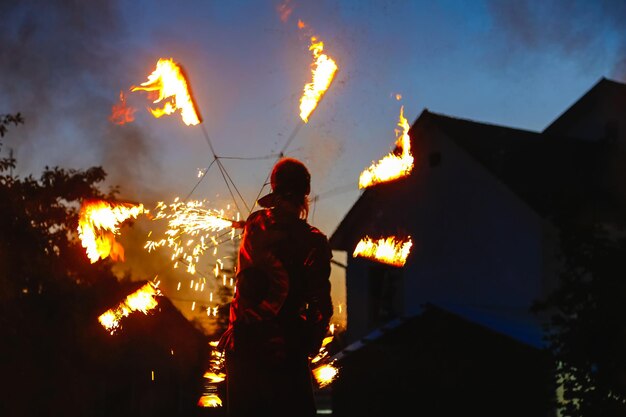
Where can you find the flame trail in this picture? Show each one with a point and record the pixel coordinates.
(213, 376)
(141, 300)
(391, 166)
(190, 230)
(323, 70)
(386, 250)
(171, 83)
(98, 224)
(325, 372)
(121, 113)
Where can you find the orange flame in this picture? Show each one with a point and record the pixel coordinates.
(98, 224)
(325, 374)
(324, 69)
(141, 300)
(121, 113)
(385, 250)
(210, 400)
(169, 80)
(214, 376)
(391, 166)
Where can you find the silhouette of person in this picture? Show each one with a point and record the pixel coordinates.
(282, 305)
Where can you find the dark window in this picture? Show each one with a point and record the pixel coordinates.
(385, 294)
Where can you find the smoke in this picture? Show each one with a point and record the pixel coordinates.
(62, 68)
(586, 31)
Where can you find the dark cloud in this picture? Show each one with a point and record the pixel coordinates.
(62, 68)
(582, 30)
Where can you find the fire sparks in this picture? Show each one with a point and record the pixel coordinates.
(169, 80)
(98, 224)
(121, 113)
(392, 166)
(190, 232)
(386, 250)
(324, 69)
(143, 300)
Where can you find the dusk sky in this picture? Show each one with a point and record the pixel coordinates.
(64, 63)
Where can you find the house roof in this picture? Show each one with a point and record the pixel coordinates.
(606, 91)
(519, 327)
(552, 174)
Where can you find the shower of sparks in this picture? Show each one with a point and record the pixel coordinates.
(191, 231)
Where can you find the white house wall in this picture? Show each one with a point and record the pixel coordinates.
(477, 243)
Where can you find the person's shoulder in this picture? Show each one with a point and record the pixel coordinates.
(317, 236)
(258, 215)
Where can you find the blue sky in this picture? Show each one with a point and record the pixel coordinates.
(64, 64)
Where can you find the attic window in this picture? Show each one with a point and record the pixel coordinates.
(434, 159)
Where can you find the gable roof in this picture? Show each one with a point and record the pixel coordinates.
(551, 174)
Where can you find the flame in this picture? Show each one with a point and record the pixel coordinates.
(121, 113)
(325, 374)
(210, 400)
(169, 80)
(141, 300)
(387, 250)
(98, 224)
(323, 71)
(214, 376)
(391, 166)
(190, 232)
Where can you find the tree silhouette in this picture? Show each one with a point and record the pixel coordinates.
(587, 330)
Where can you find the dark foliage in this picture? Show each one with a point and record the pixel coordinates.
(587, 331)
(55, 357)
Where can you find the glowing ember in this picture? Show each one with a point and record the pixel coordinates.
(190, 230)
(392, 166)
(98, 224)
(385, 250)
(324, 69)
(121, 113)
(169, 80)
(142, 300)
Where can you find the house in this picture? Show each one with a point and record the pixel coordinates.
(483, 207)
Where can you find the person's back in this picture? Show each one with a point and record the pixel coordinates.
(282, 305)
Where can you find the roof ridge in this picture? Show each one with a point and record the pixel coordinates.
(483, 123)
